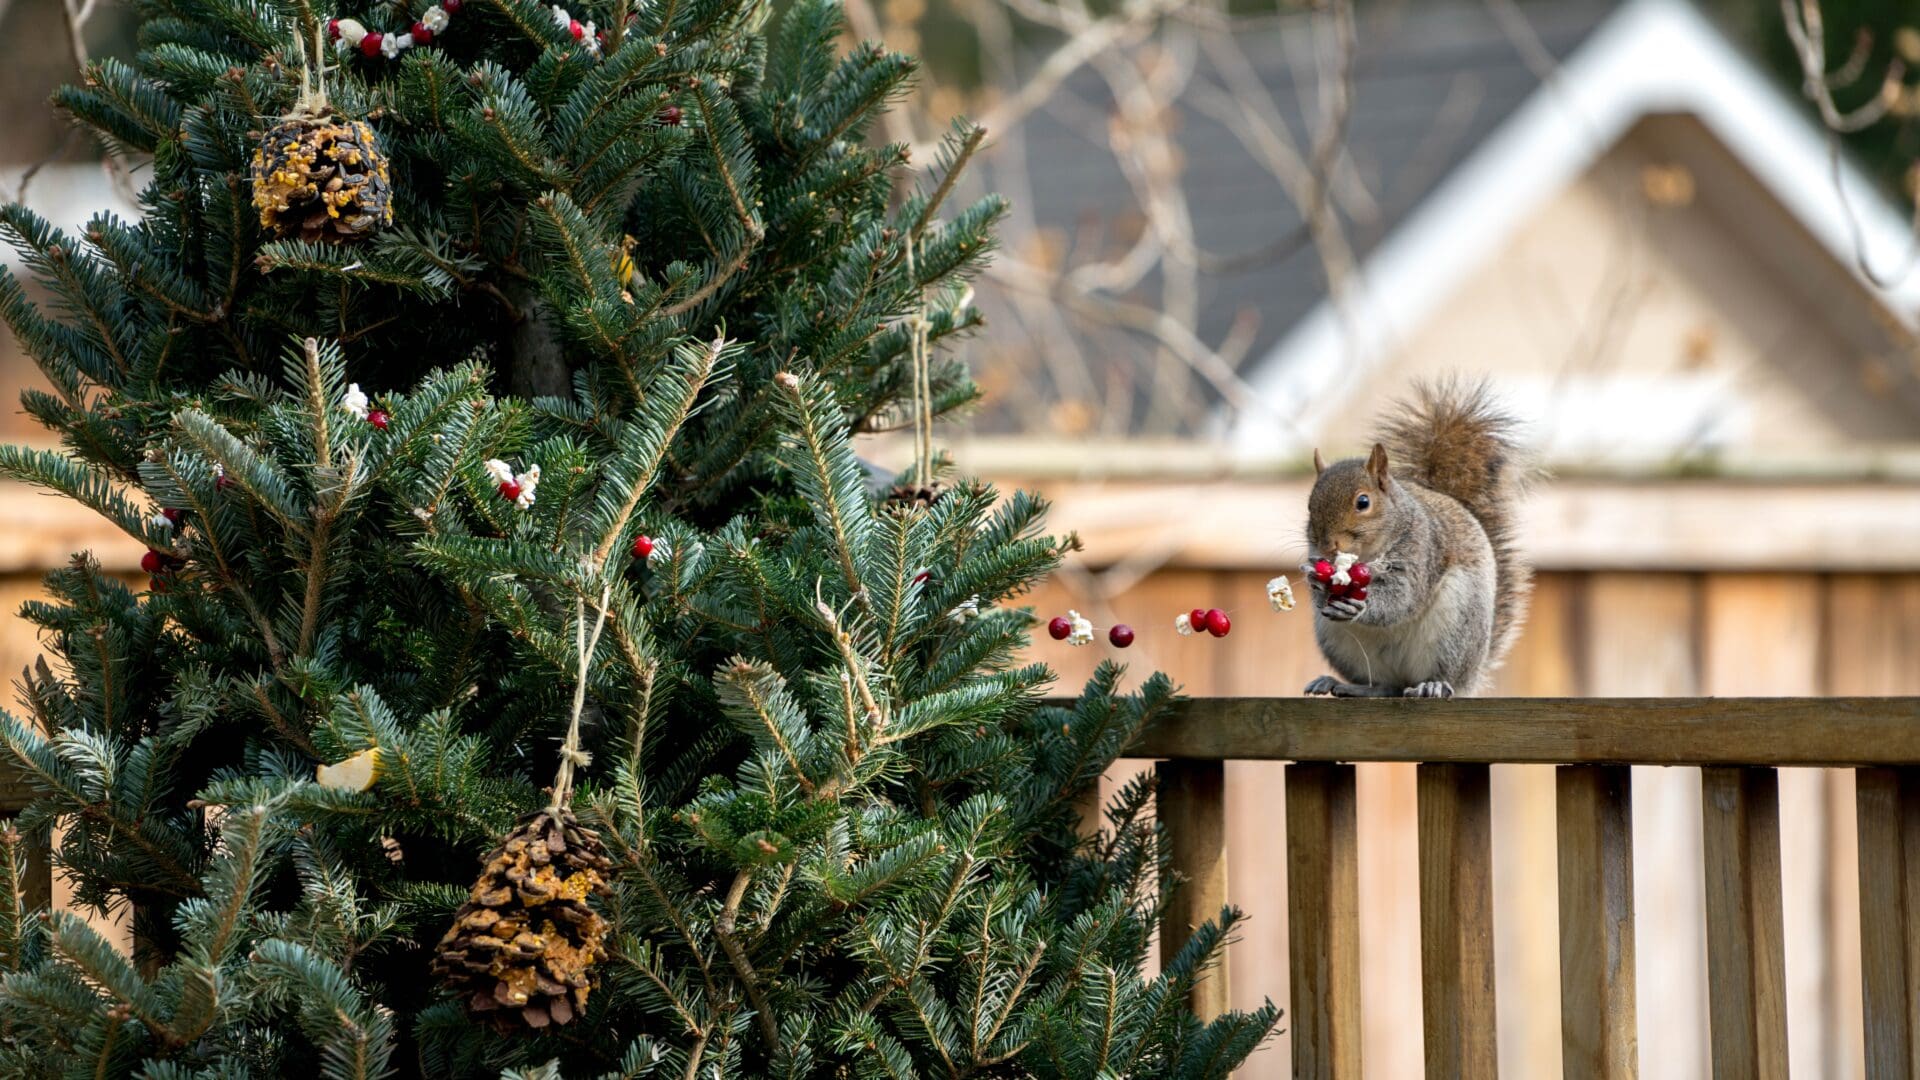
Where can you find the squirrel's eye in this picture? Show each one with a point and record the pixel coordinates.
(1362, 502)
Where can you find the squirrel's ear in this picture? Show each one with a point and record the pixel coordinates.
(1319, 463)
(1377, 466)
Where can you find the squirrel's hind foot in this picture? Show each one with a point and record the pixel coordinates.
(1434, 688)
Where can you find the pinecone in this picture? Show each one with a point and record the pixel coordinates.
(521, 950)
(916, 495)
(322, 178)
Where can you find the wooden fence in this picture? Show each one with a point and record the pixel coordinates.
(1737, 742)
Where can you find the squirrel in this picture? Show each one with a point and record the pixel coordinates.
(1432, 512)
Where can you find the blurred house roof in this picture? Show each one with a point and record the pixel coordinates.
(1648, 58)
(1467, 116)
(1432, 80)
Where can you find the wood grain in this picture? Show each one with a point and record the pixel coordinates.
(1599, 1035)
(1887, 802)
(1323, 920)
(1456, 923)
(1746, 956)
(1193, 811)
(1561, 731)
(1760, 636)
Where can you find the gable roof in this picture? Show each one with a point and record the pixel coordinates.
(1649, 57)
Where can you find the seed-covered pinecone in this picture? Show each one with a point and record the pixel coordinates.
(916, 495)
(322, 178)
(521, 950)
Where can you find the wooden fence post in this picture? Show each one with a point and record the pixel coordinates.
(1192, 803)
(1456, 922)
(1746, 949)
(1323, 921)
(1887, 805)
(1598, 1034)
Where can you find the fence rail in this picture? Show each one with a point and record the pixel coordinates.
(1739, 742)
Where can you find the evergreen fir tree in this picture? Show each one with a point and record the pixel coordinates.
(663, 283)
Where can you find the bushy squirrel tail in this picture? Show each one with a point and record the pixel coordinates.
(1452, 436)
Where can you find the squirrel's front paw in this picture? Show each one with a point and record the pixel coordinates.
(1343, 609)
(1435, 688)
(1322, 685)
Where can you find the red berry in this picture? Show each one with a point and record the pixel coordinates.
(370, 45)
(1121, 636)
(642, 546)
(1361, 573)
(1358, 592)
(221, 481)
(576, 29)
(157, 584)
(921, 577)
(1058, 628)
(1322, 571)
(153, 562)
(378, 418)
(422, 33)
(1217, 622)
(1334, 588)
(670, 116)
(173, 514)
(333, 29)
(451, 7)
(1197, 618)
(509, 490)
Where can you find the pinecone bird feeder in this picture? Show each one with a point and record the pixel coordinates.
(521, 951)
(318, 176)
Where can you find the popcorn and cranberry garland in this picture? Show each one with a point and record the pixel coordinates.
(351, 35)
(1346, 577)
(517, 488)
(1280, 593)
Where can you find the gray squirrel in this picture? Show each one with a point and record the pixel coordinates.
(1431, 511)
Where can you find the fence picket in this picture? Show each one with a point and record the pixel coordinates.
(1323, 914)
(1599, 1040)
(1887, 805)
(1456, 922)
(1192, 802)
(1746, 952)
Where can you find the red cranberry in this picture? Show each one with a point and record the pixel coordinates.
(221, 481)
(921, 577)
(370, 45)
(509, 490)
(451, 7)
(642, 546)
(333, 29)
(1336, 589)
(378, 418)
(1322, 571)
(173, 514)
(153, 562)
(1121, 636)
(576, 30)
(1058, 628)
(422, 33)
(1217, 622)
(1358, 592)
(670, 116)
(1197, 618)
(1361, 573)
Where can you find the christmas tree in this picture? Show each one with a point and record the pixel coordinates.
(530, 676)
